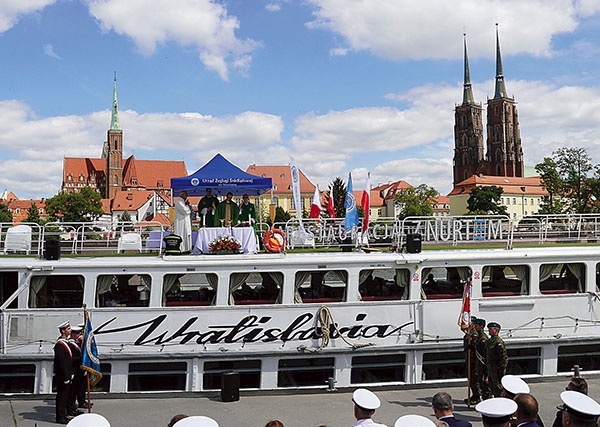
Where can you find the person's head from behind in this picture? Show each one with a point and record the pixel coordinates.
(183, 195)
(442, 404)
(578, 384)
(175, 419)
(229, 196)
(274, 423)
(527, 408)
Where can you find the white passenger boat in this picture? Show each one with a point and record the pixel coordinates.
(301, 320)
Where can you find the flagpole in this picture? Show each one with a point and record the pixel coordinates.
(87, 376)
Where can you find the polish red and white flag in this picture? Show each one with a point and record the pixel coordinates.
(365, 202)
(315, 208)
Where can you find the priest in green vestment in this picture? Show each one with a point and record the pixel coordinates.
(206, 209)
(247, 212)
(227, 212)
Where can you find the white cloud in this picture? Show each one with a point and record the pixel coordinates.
(406, 29)
(49, 50)
(11, 10)
(273, 7)
(203, 24)
(247, 137)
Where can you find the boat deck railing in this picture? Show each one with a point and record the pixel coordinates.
(410, 234)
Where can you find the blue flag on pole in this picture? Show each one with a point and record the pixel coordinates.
(89, 358)
(350, 205)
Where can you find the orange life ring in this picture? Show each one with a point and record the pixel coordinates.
(274, 240)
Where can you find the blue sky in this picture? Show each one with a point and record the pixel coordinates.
(336, 85)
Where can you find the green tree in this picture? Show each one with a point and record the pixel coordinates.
(552, 203)
(486, 201)
(574, 166)
(125, 217)
(5, 215)
(416, 201)
(281, 215)
(84, 206)
(338, 189)
(33, 215)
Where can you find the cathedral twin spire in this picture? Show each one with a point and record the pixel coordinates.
(500, 88)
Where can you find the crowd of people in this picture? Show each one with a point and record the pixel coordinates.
(486, 358)
(516, 407)
(211, 213)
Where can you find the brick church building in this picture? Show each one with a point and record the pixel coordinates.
(115, 177)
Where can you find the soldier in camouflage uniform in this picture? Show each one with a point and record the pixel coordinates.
(496, 359)
(469, 342)
(480, 355)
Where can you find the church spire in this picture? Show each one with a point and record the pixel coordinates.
(500, 91)
(468, 90)
(114, 118)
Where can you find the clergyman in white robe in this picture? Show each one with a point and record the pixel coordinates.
(182, 226)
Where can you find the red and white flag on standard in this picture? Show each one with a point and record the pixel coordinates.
(464, 320)
(315, 208)
(330, 207)
(365, 202)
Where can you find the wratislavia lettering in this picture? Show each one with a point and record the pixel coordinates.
(251, 328)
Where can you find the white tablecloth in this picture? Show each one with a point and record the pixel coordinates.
(244, 234)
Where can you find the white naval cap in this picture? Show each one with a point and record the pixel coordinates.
(497, 407)
(63, 325)
(580, 404)
(413, 421)
(365, 399)
(76, 328)
(514, 384)
(89, 420)
(196, 421)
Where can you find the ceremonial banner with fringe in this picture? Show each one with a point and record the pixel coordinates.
(89, 359)
(464, 320)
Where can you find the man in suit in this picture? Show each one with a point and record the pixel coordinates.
(527, 410)
(443, 410)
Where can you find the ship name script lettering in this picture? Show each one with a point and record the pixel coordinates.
(248, 329)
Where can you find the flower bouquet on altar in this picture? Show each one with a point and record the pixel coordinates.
(225, 244)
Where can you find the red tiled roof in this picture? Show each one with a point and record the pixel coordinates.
(83, 166)
(15, 204)
(510, 185)
(282, 178)
(389, 190)
(151, 173)
(130, 200)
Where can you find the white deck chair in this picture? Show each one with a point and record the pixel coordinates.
(130, 241)
(18, 239)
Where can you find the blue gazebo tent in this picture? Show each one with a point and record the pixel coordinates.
(222, 176)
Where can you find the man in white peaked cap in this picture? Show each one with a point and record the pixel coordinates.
(196, 421)
(579, 410)
(365, 404)
(89, 420)
(496, 412)
(413, 421)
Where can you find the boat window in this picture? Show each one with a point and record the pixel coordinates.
(562, 278)
(378, 369)
(313, 371)
(505, 280)
(248, 370)
(189, 289)
(443, 365)
(384, 284)
(56, 291)
(320, 286)
(17, 378)
(157, 376)
(586, 356)
(524, 361)
(444, 282)
(255, 288)
(8, 286)
(123, 290)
